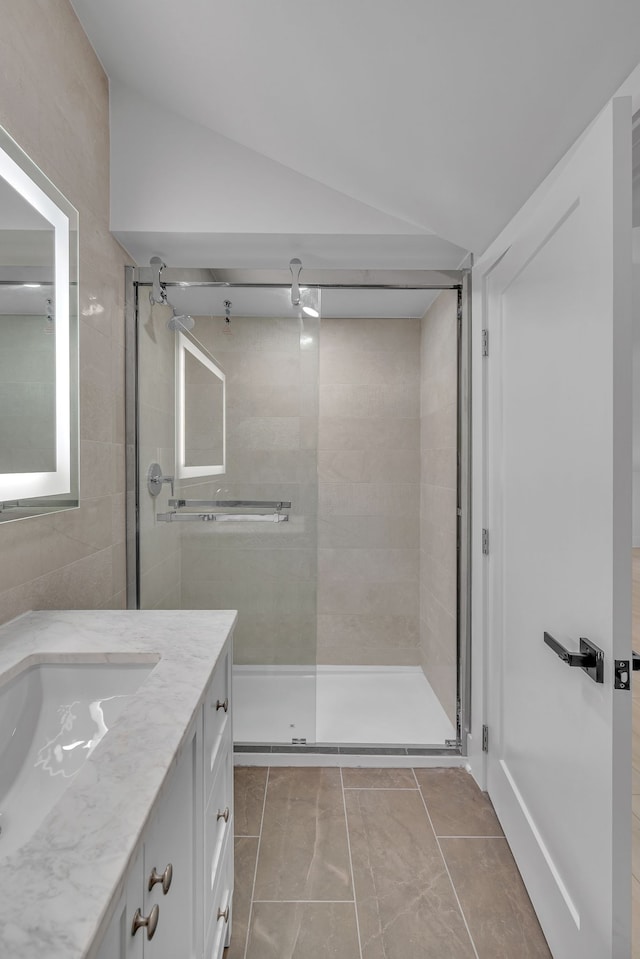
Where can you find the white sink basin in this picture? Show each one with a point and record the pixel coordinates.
(52, 717)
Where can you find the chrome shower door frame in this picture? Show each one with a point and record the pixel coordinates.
(335, 279)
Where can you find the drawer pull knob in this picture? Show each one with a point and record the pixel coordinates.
(224, 914)
(223, 815)
(149, 922)
(224, 705)
(163, 877)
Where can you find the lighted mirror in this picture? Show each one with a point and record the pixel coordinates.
(38, 340)
(200, 413)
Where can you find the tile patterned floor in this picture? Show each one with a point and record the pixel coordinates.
(374, 864)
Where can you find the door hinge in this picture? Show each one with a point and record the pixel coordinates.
(485, 542)
(485, 739)
(485, 342)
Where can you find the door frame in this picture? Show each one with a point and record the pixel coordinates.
(484, 265)
(484, 496)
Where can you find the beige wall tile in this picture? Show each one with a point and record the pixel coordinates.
(367, 598)
(384, 632)
(370, 333)
(368, 466)
(438, 519)
(161, 581)
(263, 432)
(369, 565)
(368, 532)
(250, 566)
(367, 367)
(368, 494)
(348, 432)
(56, 107)
(399, 400)
(249, 334)
(279, 638)
(368, 499)
(439, 468)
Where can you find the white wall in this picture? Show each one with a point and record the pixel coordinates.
(197, 198)
(168, 173)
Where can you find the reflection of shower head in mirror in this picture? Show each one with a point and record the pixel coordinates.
(181, 322)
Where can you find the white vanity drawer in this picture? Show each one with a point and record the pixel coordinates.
(217, 715)
(218, 822)
(220, 903)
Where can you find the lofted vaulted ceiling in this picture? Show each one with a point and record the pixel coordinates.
(445, 114)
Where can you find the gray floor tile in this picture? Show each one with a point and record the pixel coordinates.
(309, 930)
(456, 805)
(303, 851)
(245, 852)
(406, 905)
(248, 786)
(494, 900)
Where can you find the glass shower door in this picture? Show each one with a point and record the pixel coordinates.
(227, 544)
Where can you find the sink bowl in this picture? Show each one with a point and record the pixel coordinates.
(52, 717)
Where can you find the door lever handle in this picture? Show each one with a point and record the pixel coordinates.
(590, 658)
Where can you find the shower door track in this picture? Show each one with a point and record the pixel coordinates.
(322, 279)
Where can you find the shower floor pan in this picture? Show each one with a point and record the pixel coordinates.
(337, 704)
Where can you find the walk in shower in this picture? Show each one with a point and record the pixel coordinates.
(306, 471)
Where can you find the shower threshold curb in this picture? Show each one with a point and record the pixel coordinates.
(254, 754)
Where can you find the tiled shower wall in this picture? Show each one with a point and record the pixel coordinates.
(369, 492)
(267, 571)
(438, 553)
(54, 103)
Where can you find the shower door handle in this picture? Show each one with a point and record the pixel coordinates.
(590, 658)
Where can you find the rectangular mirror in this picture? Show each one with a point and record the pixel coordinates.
(38, 340)
(200, 413)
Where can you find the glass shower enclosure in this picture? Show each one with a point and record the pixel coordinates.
(224, 419)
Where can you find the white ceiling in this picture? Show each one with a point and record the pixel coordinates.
(443, 113)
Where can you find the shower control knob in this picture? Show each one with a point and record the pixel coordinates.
(163, 877)
(150, 922)
(155, 479)
(224, 705)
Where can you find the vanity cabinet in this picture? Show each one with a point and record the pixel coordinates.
(178, 891)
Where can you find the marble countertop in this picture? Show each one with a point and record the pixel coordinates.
(56, 890)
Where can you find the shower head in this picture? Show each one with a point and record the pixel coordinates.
(180, 322)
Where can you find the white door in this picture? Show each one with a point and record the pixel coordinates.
(558, 509)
